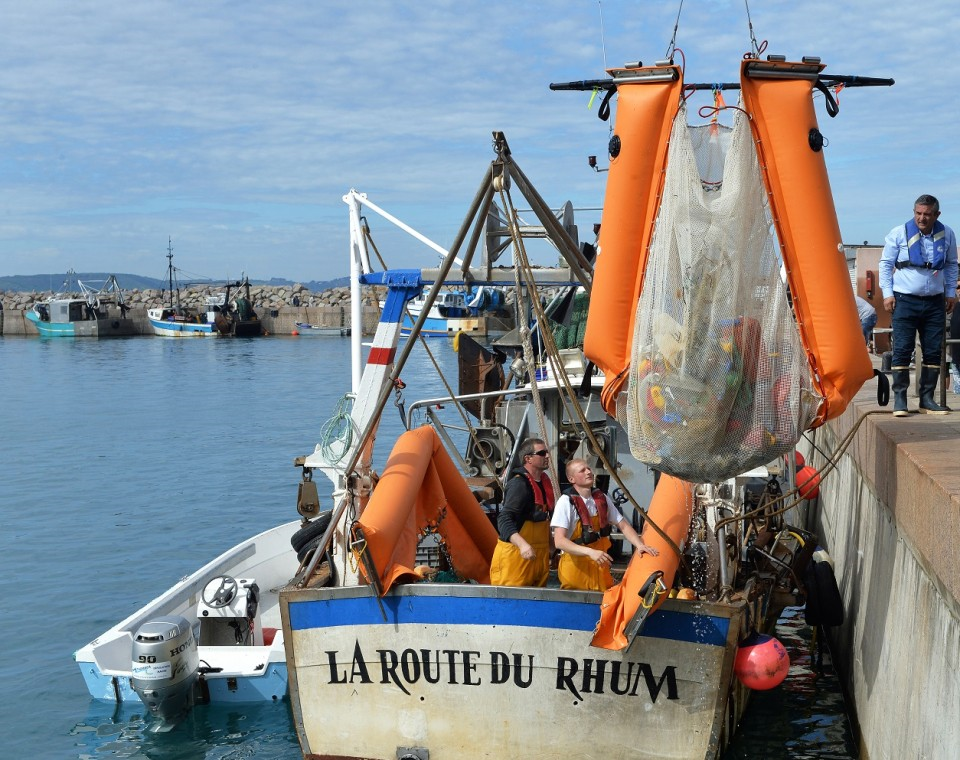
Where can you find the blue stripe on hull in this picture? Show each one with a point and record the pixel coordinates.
(51, 329)
(690, 627)
(179, 329)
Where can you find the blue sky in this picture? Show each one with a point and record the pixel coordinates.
(235, 128)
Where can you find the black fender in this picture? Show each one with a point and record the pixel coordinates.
(824, 602)
(311, 530)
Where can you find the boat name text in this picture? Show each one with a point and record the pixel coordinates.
(590, 675)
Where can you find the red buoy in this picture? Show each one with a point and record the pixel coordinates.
(808, 482)
(762, 662)
(799, 458)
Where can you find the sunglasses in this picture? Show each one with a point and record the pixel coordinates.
(541, 453)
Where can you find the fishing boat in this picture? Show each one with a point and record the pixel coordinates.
(83, 310)
(460, 310)
(478, 309)
(175, 320)
(236, 315)
(400, 646)
(395, 642)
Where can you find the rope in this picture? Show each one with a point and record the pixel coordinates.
(336, 434)
(831, 465)
(753, 40)
(673, 40)
(522, 262)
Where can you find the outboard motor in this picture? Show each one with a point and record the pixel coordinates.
(165, 666)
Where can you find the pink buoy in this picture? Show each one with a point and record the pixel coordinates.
(762, 662)
(808, 482)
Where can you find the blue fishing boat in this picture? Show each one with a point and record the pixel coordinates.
(83, 311)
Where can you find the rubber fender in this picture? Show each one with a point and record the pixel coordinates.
(310, 531)
(824, 602)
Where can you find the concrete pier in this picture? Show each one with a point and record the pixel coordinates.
(889, 516)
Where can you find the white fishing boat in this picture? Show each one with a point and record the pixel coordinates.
(394, 658)
(468, 311)
(395, 642)
(227, 312)
(175, 320)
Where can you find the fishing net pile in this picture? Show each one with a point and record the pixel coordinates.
(719, 382)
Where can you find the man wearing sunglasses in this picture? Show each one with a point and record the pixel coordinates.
(522, 556)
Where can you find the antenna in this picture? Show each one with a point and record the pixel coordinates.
(603, 44)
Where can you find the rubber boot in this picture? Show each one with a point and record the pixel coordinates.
(928, 383)
(901, 381)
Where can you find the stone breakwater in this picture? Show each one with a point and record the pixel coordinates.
(279, 307)
(264, 297)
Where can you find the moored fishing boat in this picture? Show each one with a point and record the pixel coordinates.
(454, 667)
(83, 311)
(174, 320)
(237, 316)
(456, 311)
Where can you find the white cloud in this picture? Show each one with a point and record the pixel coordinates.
(236, 127)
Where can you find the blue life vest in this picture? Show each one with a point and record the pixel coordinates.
(915, 247)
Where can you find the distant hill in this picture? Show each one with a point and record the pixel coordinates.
(30, 283)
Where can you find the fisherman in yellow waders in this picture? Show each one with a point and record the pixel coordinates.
(582, 523)
(522, 556)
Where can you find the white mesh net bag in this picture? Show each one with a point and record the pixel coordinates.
(719, 382)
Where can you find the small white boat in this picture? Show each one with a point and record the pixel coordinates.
(213, 637)
(306, 330)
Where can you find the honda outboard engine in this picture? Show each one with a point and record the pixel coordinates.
(165, 666)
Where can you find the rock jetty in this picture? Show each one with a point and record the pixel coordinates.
(263, 297)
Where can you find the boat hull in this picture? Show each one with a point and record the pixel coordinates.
(442, 326)
(171, 328)
(90, 328)
(466, 671)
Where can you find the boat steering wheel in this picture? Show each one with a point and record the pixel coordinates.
(222, 594)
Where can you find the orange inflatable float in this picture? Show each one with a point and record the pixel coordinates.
(777, 95)
(421, 489)
(647, 103)
(672, 509)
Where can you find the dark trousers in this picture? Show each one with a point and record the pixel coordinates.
(913, 315)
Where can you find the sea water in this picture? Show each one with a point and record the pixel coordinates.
(126, 464)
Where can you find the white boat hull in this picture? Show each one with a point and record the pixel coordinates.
(466, 671)
(171, 328)
(247, 673)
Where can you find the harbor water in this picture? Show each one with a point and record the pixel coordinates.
(126, 464)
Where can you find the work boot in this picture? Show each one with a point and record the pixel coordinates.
(901, 381)
(928, 382)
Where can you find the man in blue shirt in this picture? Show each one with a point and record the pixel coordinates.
(918, 278)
